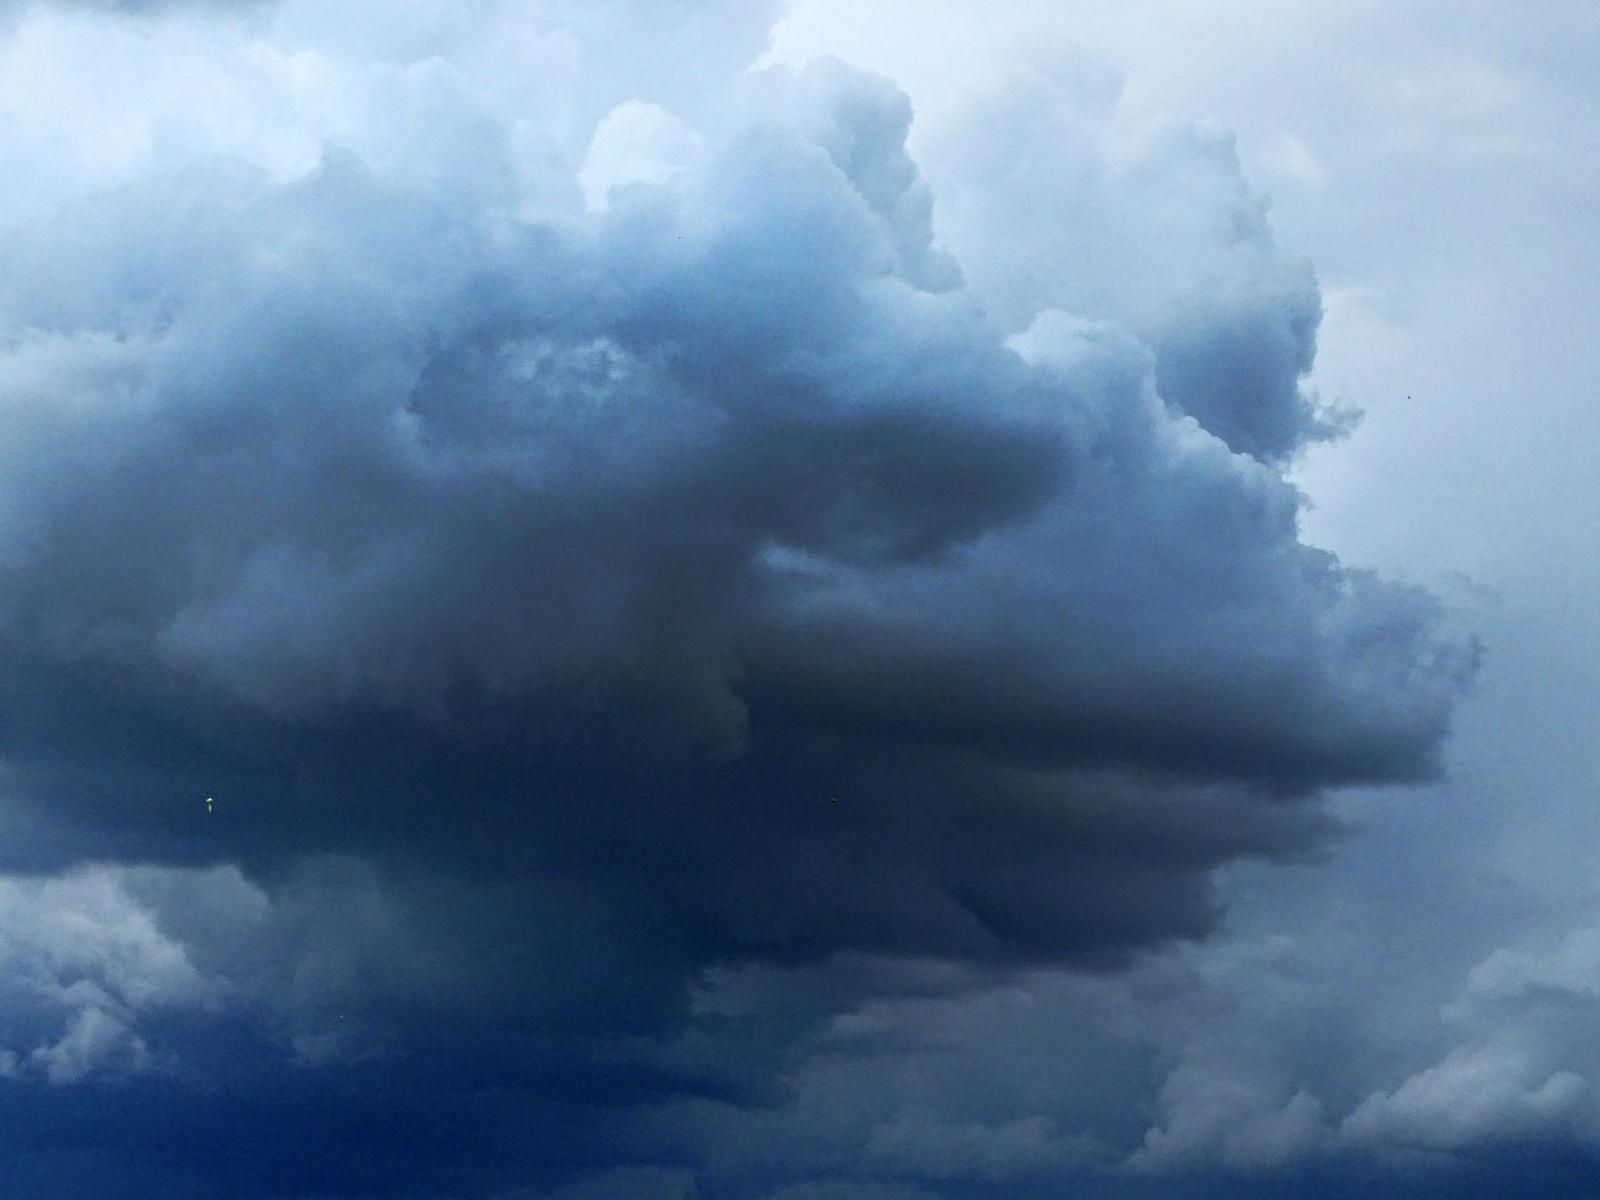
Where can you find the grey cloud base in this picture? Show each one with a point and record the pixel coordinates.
(702, 577)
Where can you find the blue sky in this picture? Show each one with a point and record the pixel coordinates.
(798, 601)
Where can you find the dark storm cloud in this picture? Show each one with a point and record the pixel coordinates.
(704, 577)
(698, 532)
(670, 527)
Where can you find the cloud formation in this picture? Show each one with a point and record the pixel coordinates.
(1162, 234)
(602, 507)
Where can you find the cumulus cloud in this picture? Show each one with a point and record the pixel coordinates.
(1521, 1067)
(585, 514)
(1475, 1097)
(1161, 234)
(309, 468)
(81, 964)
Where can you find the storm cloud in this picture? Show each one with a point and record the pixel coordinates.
(588, 501)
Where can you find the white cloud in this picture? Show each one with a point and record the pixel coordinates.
(82, 960)
(635, 143)
(1475, 1097)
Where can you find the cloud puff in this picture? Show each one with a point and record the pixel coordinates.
(83, 965)
(1053, 202)
(1520, 1067)
(1474, 1097)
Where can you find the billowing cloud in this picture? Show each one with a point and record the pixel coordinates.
(1162, 234)
(81, 964)
(597, 505)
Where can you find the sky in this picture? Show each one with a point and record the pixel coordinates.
(798, 600)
